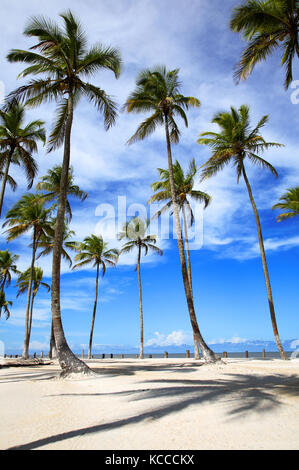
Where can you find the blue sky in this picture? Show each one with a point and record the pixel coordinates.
(229, 290)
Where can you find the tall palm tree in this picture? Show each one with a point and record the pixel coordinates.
(267, 26)
(50, 185)
(7, 268)
(29, 214)
(46, 244)
(18, 142)
(158, 91)
(61, 60)
(236, 142)
(135, 232)
(289, 203)
(4, 304)
(95, 251)
(23, 282)
(184, 185)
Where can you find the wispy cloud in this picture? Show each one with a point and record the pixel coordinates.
(234, 340)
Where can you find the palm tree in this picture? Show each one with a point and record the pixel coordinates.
(46, 243)
(50, 184)
(94, 250)
(28, 214)
(158, 91)
(18, 142)
(4, 304)
(23, 282)
(134, 232)
(236, 142)
(62, 62)
(184, 184)
(290, 203)
(7, 268)
(267, 26)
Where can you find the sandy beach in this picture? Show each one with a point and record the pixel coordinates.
(153, 404)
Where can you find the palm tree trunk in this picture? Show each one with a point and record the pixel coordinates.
(4, 180)
(3, 283)
(283, 355)
(94, 312)
(67, 360)
(187, 249)
(2, 290)
(30, 316)
(207, 353)
(52, 351)
(141, 354)
(196, 343)
(25, 354)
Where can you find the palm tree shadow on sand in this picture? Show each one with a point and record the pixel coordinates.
(241, 394)
(126, 369)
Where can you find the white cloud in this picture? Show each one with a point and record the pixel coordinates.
(176, 338)
(234, 340)
(38, 345)
(247, 248)
(40, 319)
(294, 344)
(2, 92)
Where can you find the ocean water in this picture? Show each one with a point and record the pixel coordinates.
(237, 355)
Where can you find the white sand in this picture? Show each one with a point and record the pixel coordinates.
(153, 404)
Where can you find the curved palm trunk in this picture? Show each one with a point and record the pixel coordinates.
(4, 181)
(94, 312)
(2, 290)
(265, 268)
(196, 343)
(67, 360)
(141, 354)
(52, 350)
(25, 354)
(207, 353)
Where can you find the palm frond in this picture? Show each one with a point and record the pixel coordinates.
(155, 249)
(256, 160)
(56, 138)
(147, 127)
(102, 102)
(98, 58)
